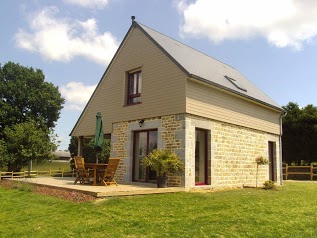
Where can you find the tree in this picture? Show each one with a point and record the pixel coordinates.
(89, 152)
(25, 142)
(25, 95)
(260, 160)
(3, 154)
(299, 134)
(30, 106)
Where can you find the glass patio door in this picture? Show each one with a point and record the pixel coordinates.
(272, 161)
(201, 157)
(144, 143)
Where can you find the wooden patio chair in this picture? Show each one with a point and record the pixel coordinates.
(107, 177)
(82, 174)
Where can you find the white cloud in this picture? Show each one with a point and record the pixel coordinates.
(60, 39)
(97, 4)
(284, 23)
(77, 95)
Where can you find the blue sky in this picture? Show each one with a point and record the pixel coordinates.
(272, 43)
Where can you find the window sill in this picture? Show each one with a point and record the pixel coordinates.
(132, 104)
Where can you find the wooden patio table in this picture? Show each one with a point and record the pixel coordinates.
(95, 167)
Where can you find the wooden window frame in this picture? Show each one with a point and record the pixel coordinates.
(131, 97)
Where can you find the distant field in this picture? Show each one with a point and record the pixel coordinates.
(54, 165)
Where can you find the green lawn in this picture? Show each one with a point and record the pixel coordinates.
(289, 212)
(47, 165)
(51, 165)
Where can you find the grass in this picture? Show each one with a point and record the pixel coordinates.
(288, 212)
(47, 165)
(54, 165)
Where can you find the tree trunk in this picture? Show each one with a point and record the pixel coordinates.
(13, 167)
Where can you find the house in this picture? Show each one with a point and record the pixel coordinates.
(160, 93)
(62, 155)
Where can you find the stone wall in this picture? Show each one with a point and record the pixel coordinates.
(231, 150)
(170, 126)
(170, 136)
(119, 138)
(174, 140)
(234, 159)
(231, 153)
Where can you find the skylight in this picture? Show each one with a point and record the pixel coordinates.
(235, 83)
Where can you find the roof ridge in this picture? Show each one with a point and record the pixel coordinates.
(142, 25)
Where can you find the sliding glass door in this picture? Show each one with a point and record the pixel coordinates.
(201, 157)
(272, 161)
(144, 142)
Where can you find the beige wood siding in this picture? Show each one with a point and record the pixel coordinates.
(207, 101)
(163, 86)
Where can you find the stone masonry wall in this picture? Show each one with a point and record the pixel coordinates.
(118, 149)
(234, 164)
(173, 139)
(170, 126)
(170, 136)
(232, 151)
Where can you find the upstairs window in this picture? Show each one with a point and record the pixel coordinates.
(134, 87)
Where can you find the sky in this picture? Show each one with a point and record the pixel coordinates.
(272, 43)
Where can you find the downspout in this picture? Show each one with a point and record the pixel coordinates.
(284, 113)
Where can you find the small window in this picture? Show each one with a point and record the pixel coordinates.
(134, 87)
(235, 83)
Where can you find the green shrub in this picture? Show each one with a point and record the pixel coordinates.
(269, 184)
(261, 160)
(163, 162)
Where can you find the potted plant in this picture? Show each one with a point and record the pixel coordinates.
(163, 162)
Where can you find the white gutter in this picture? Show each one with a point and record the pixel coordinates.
(284, 113)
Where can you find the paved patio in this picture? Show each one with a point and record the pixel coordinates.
(100, 191)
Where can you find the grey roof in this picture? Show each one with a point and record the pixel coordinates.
(61, 153)
(205, 68)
